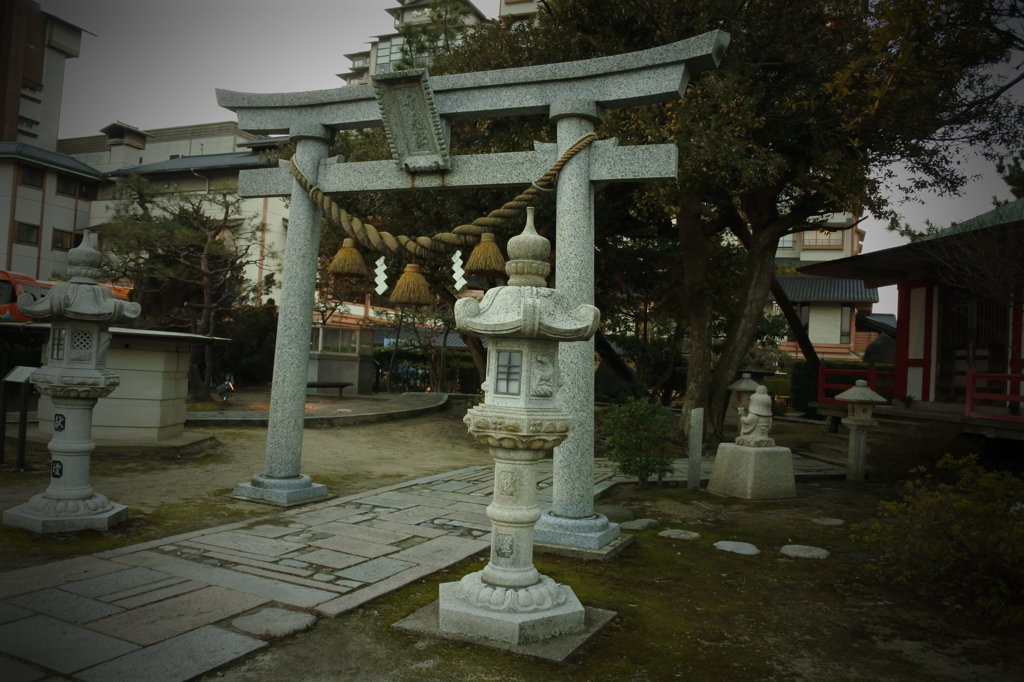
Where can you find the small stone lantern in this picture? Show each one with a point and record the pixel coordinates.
(75, 377)
(742, 390)
(509, 600)
(860, 406)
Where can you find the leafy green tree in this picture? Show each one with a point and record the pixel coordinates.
(446, 20)
(813, 107)
(185, 255)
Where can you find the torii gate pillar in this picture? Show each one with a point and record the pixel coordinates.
(571, 519)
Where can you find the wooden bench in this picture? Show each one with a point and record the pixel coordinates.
(340, 385)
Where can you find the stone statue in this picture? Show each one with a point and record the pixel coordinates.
(756, 421)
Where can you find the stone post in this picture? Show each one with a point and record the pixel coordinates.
(75, 377)
(571, 520)
(282, 481)
(696, 447)
(509, 600)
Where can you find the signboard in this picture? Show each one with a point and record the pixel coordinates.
(19, 374)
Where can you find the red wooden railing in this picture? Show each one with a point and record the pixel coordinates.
(870, 375)
(1011, 396)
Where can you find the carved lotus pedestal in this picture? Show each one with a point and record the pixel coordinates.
(69, 503)
(509, 600)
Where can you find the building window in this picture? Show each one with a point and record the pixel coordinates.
(57, 344)
(332, 340)
(823, 238)
(62, 240)
(175, 156)
(66, 184)
(87, 191)
(510, 368)
(786, 242)
(844, 324)
(31, 176)
(28, 234)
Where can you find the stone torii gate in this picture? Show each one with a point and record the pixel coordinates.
(417, 111)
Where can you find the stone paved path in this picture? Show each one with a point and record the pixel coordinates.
(162, 611)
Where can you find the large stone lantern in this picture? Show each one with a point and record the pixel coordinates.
(75, 377)
(860, 402)
(509, 600)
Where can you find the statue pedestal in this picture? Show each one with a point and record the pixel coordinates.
(764, 473)
(515, 616)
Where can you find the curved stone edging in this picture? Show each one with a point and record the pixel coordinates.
(323, 422)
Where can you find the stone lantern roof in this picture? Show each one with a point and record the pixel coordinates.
(860, 393)
(527, 308)
(81, 298)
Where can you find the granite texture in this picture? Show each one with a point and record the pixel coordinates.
(744, 548)
(33, 640)
(590, 533)
(113, 583)
(67, 607)
(676, 534)
(644, 77)
(282, 482)
(176, 660)
(513, 627)
(274, 622)
(695, 447)
(609, 163)
(804, 552)
(753, 473)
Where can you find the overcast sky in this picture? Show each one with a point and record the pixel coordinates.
(156, 64)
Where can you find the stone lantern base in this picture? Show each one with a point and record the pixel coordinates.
(515, 616)
(46, 515)
(764, 473)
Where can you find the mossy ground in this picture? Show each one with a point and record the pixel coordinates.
(689, 611)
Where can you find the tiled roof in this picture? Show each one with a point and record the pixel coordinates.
(808, 288)
(20, 150)
(261, 141)
(189, 163)
(1012, 212)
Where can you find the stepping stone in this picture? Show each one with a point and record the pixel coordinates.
(34, 639)
(376, 569)
(805, 552)
(12, 671)
(9, 613)
(827, 522)
(175, 660)
(172, 617)
(639, 524)
(293, 563)
(115, 582)
(677, 534)
(744, 548)
(69, 607)
(274, 622)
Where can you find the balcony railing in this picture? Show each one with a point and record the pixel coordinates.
(882, 383)
(1012, 398)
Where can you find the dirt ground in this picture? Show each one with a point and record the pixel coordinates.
(685, 609)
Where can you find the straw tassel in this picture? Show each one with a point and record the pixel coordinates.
(348, 262)
(486, 258)
(412, 288)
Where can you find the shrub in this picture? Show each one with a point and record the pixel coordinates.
(960, 529)
(637, 435)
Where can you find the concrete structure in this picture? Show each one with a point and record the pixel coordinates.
(509, 600)
(385, 50)
(33, 48)
(75, 377)
(861, 400)
(753, 467)
(573, 94)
